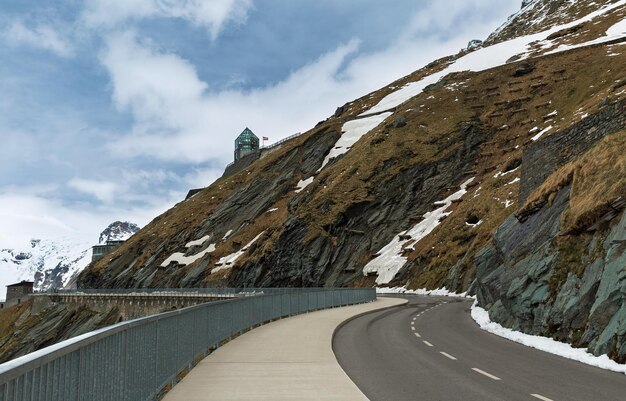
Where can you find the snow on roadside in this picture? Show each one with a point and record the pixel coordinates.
(353, 131)
(481, 317)
(495, 56)
(227, 261)
(390, 258)
(443, 292)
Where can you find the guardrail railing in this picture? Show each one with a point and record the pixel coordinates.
(271, 146)
(161, 291)
(141, 358)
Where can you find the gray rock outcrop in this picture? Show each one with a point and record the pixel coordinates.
(572, 289)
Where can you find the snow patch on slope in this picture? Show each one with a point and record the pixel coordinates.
(617, 31)
(390, 258)
(493, 56)
(304, 183)
(545, 344)
(352, 132)
(181, 259)
(227, 261)
(198, 242)
(540, 134)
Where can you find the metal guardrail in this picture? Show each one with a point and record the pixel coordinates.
(137, 360)
(163, 291)
(290, 137)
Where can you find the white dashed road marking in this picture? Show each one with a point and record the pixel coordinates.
(447, 355)
(541, 397)
(413, 328)
(417, 335)
(489, 375)
(427, 343)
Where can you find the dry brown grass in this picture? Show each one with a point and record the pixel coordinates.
(596, 179)
(9, 317)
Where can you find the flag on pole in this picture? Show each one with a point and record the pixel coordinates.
(265, 138)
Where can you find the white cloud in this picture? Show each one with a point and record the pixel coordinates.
(39, 36)
(24, 216)
(102, 190)
(178, 118)
(150, 85)
(209, 14)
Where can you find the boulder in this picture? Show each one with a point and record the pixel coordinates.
(524, 69)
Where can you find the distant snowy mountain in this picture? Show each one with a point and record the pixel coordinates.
(53, 263)
(118, 231)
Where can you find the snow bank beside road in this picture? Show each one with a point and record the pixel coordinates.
(545, 344)
(443, 292)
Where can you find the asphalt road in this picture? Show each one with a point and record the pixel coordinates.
(431, 349)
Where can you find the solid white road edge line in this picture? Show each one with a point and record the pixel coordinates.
(427, 343)
(447, 355)
(482, 372)
(541, 397)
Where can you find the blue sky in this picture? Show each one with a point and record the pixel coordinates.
(113, 109)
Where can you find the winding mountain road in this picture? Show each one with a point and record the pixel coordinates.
(431, 349)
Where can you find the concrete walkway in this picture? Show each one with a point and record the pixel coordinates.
(290, 359)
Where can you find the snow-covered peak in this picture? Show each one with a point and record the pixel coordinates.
(118, 231)
(54, 262)
(49, 263)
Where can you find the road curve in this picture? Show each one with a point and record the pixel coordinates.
(431, 349)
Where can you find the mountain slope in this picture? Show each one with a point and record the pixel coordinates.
(407, 185)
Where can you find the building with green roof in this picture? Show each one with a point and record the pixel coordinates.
(246, 143)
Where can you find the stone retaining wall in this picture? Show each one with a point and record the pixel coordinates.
(130, 306)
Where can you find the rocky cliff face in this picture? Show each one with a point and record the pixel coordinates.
(557, 269)
(24, 329)
(451, 174)
(567, 288)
